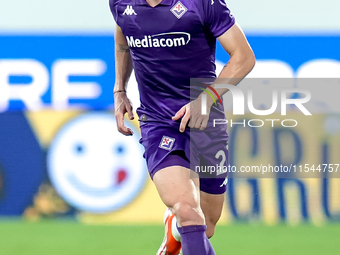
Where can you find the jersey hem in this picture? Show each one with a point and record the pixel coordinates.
(226, 28)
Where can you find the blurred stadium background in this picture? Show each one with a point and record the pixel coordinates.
(70, 184)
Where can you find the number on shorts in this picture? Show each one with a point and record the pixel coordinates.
(221, 153)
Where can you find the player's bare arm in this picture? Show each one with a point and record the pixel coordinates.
(123, 72)
(242, 58)
(242, 61)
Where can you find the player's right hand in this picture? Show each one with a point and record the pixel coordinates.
(122, 106)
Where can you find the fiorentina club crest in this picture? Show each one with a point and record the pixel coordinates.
(167, 143)
(178, 10)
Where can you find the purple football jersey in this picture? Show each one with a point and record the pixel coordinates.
(169, 44)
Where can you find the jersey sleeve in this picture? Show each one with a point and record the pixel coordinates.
(113, 7)
(217, 17)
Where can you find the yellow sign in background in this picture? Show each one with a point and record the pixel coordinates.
(305, 197)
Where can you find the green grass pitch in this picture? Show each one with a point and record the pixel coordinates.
(71, 238)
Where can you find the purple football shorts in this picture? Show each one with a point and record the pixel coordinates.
(202, 151)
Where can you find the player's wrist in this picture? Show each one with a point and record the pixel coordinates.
(119, 91)
(119, 87)
(210, 101)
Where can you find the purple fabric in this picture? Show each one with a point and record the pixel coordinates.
(170, 160)
(197, 146)
(168, 50)
(194, 240)
(215, 17)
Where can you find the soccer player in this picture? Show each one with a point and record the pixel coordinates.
(167, 42)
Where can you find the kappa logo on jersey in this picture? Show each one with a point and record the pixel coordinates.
(129, 11)
(178, 10)
(167, 143)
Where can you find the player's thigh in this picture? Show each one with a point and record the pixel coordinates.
(179, 190)
(212, 206)
(174, 184)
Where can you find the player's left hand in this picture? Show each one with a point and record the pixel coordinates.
(192, 113)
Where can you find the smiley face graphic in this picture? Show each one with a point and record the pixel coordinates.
(94, 167)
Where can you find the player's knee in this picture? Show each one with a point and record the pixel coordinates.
(210, 230)
(211, 225)
(187, 214)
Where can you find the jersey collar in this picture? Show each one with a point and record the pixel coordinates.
(164, 2)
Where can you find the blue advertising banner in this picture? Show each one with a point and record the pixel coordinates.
(57, 71)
